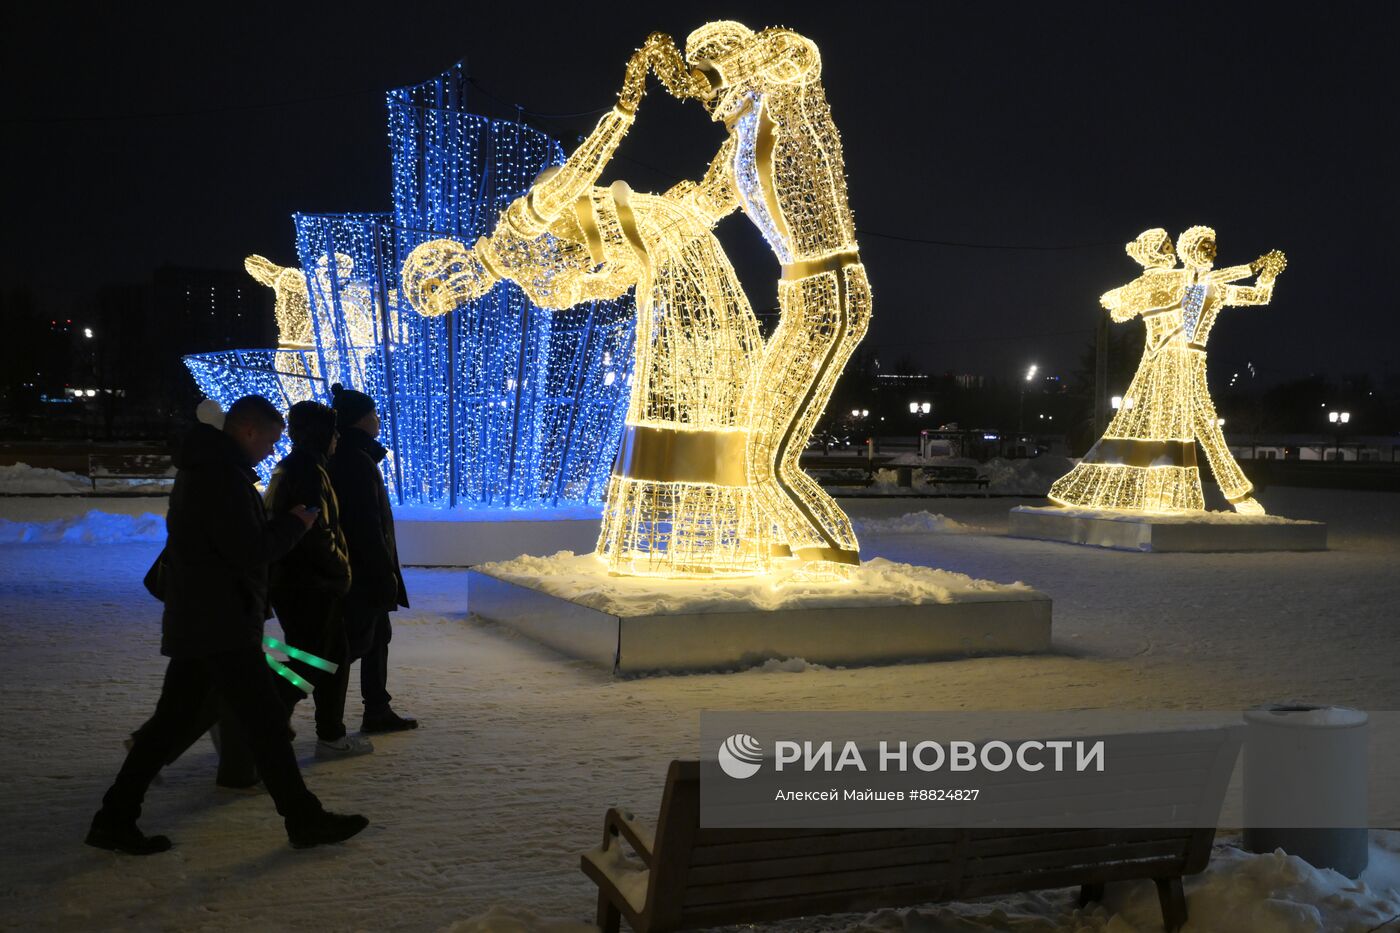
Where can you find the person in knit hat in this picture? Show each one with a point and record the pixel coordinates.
(308, 584)
(376, 582)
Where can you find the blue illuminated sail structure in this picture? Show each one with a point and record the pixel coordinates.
(500, 403)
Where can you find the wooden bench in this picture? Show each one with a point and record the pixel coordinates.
(843, 471)
(955, 475)
(129, 466)
(685, 877)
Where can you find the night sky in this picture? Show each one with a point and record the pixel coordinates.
(136, 138)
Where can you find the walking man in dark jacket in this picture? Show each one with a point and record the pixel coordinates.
(218, 548)
(310, 582)
(376, 584)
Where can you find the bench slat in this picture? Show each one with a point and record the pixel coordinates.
(782, 908)
(1102, 873)
(852, 880)
(991, 842)
(731, 845)
(762, 864)
(1165, 850)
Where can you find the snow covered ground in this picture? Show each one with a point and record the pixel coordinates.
(478, 818)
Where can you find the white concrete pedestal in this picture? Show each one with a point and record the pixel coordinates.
(467, 537)
(634, 625)
(1180, 531)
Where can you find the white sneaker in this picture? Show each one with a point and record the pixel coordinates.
(347, 746)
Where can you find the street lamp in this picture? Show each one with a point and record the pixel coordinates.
(1339, 418)
(1116, 402)
(1021, 408)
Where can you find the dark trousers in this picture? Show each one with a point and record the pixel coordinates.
(236, 765)
(370, 633)
(316, 623)
(242, 682)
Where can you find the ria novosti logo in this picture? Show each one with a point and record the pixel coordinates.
(740, 756)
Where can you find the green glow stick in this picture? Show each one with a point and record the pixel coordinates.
(305, 657)
(290, 674)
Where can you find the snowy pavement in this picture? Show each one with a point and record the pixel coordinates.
(482, 812)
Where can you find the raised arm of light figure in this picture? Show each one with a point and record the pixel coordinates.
(441, 275)
(1261, 292)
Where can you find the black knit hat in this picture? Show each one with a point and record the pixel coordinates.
(350, 406)
(311, 425)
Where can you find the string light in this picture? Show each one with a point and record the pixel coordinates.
(708, 413)
(504, 403)
(1146, 460)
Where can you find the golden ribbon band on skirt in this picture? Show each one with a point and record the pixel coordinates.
(833, 554)
(667, 455)
(792, 271)
(1127, 451)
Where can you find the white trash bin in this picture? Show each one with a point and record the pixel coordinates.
(1305, 784)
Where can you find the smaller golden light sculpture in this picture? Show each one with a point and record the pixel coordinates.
(292, 305)
(297, 361)
(293, 308)
(1146, 460)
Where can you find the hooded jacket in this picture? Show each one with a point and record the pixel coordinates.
(319, 564)
(219, 543)
(375, 579)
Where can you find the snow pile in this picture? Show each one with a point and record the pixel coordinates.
(584, 579)
(93, 528)
(1169, 518)
(912, 523)
(23, 478)
(1026, 476)
(1270, 893)
(787, 666)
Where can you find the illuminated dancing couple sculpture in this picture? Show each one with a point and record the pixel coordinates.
(1146, 460)
(707, 480)
(1139, 487)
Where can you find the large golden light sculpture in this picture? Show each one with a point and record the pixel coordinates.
(709, 465)
(1146, 460)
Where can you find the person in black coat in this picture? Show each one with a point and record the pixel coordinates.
(308, 584)
(215, 587)
(376, 583)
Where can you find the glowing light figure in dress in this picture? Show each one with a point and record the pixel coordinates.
(679, 502)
